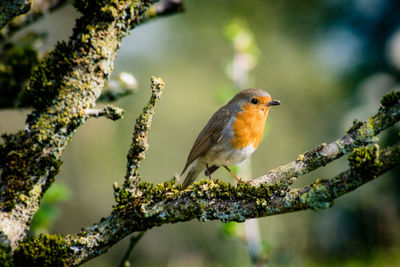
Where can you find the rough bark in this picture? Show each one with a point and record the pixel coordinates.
(63, 92)
(9, 9)
(151, 205)
(61, 89)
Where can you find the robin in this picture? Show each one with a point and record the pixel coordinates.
(231, 135)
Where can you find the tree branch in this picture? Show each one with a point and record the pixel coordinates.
(139, 140)
(359, 134)
(367, 164)
(155, 205)
(61, 89)
(110, 112)
(38, 10)
(11, 80)
(209, 200)
(9, 9)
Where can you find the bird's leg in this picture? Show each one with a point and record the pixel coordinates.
(231, 172)
(208, 172)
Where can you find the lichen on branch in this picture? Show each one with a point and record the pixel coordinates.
(205, 200)
(110, 112)
(63, 86)
(360, 134)
(9, 9)
(139, 139)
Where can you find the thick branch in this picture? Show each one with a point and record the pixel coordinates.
(10, 79)
(62, 88)
(152, 205)
(209, 201)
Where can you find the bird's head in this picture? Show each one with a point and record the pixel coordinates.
(254, 99)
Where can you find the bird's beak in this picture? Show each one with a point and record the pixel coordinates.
(273, 103)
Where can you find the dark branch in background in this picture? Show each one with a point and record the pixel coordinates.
(153, 205)
(17, 60)
(14, 73)
(132, 243)
(38, 10)
(9, 9)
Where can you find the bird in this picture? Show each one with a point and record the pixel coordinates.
(231, 135)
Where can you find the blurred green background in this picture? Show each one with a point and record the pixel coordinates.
(328, 62)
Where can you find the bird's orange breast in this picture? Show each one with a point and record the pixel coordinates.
(248, 126)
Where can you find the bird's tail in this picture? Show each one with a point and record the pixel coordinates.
(192, 175)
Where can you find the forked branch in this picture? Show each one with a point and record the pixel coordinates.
(156, 205)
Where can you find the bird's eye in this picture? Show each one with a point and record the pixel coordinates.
(254, 101)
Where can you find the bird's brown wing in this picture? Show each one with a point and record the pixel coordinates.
(209, 136)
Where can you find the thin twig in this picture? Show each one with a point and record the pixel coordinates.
(139, 139)
(359, 135)
(215, 200)
(323, 192)
(110, 112)
(62, 87)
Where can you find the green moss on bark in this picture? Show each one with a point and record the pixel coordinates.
(365, 161)
(317, 195)
(150, 206)
(43, 250)
(18, 173)
(390, 99)
(356, 125)
(45, 81)
(5, 259)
